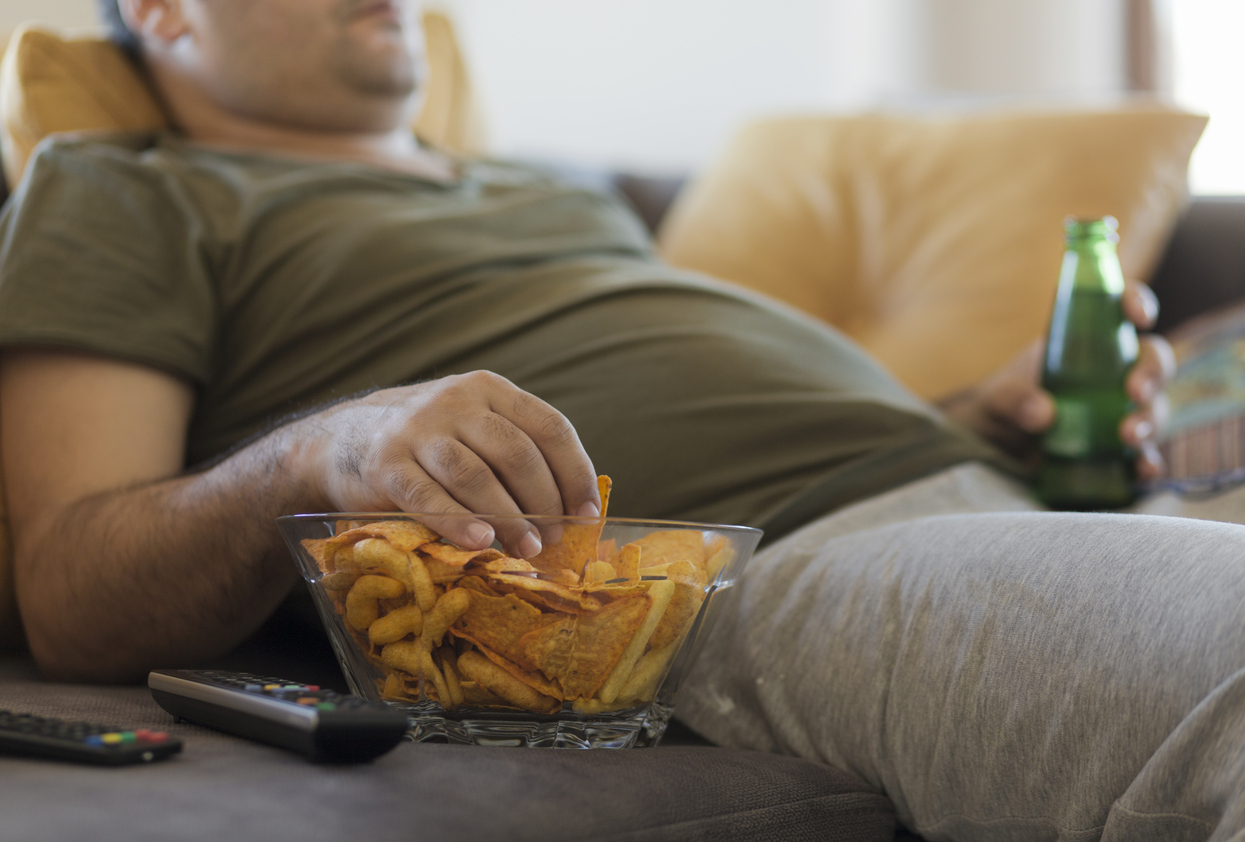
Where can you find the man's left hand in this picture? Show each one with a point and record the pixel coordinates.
(1012, 410)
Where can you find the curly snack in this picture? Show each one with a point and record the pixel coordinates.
(585, 623)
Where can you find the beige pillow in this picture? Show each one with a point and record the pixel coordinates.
(51, 83)
(934, 243)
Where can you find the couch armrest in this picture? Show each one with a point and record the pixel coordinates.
(1203, 266)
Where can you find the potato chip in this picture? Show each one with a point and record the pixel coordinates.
(579, 541)
(607, 549)
(447, 661)
(362, 607)
(683, 607)
(642, 683)
(481, 670)
(659, 595)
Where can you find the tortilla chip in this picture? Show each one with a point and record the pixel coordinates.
(600, 639)
(317, 549)
(476, 667)
(598, 572)
(497, 622)
(448, 554)
(548, 648)
(557, 596)
(531, 678)
(607, 549)
(579, 541)
(503, 564)
(405, 535)
(675, 545)
(441, 573)
(628, 562)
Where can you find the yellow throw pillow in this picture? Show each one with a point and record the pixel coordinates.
(50, 83)
(934, 243)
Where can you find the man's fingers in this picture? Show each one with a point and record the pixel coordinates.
(516, 461)
(414, 491)
(1149, 462)
(1141, 306)
(1145, 424)
(1156, 364)
(472, 486)
(563, 452)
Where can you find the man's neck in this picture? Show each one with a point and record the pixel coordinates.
(388, 143)
(396, 149)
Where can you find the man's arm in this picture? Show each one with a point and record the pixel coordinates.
(122, 563)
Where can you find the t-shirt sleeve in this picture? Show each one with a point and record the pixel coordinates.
(99, 252)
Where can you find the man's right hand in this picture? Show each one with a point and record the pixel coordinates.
(462, 444)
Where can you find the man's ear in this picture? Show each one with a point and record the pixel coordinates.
(162, 20)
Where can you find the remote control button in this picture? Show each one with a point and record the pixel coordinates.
(112, 739)
(327, 707)
(94, 740)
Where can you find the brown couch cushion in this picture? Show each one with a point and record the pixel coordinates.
(221, 787)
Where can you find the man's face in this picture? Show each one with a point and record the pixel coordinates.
(325, 64)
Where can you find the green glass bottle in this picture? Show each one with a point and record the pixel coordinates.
(1089, 351)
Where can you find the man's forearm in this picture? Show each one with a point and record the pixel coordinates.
(163, 573)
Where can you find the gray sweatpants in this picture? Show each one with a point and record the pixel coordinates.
(1001, 673)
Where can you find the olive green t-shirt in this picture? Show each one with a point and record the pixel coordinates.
(274, 285)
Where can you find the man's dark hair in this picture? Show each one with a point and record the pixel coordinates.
(118, 32)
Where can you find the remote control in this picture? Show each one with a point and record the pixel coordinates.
(85, 742)
(320, 724)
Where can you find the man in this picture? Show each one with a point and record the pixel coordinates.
(165, 302)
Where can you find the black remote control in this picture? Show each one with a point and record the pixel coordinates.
(84, 742)
(320, 724)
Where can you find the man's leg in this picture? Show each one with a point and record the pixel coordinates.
(1002, 675)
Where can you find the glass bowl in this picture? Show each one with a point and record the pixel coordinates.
(581, 646)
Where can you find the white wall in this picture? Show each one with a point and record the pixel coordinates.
(661, 83)
(67, 13)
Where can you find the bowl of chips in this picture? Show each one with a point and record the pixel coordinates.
(583, 645)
